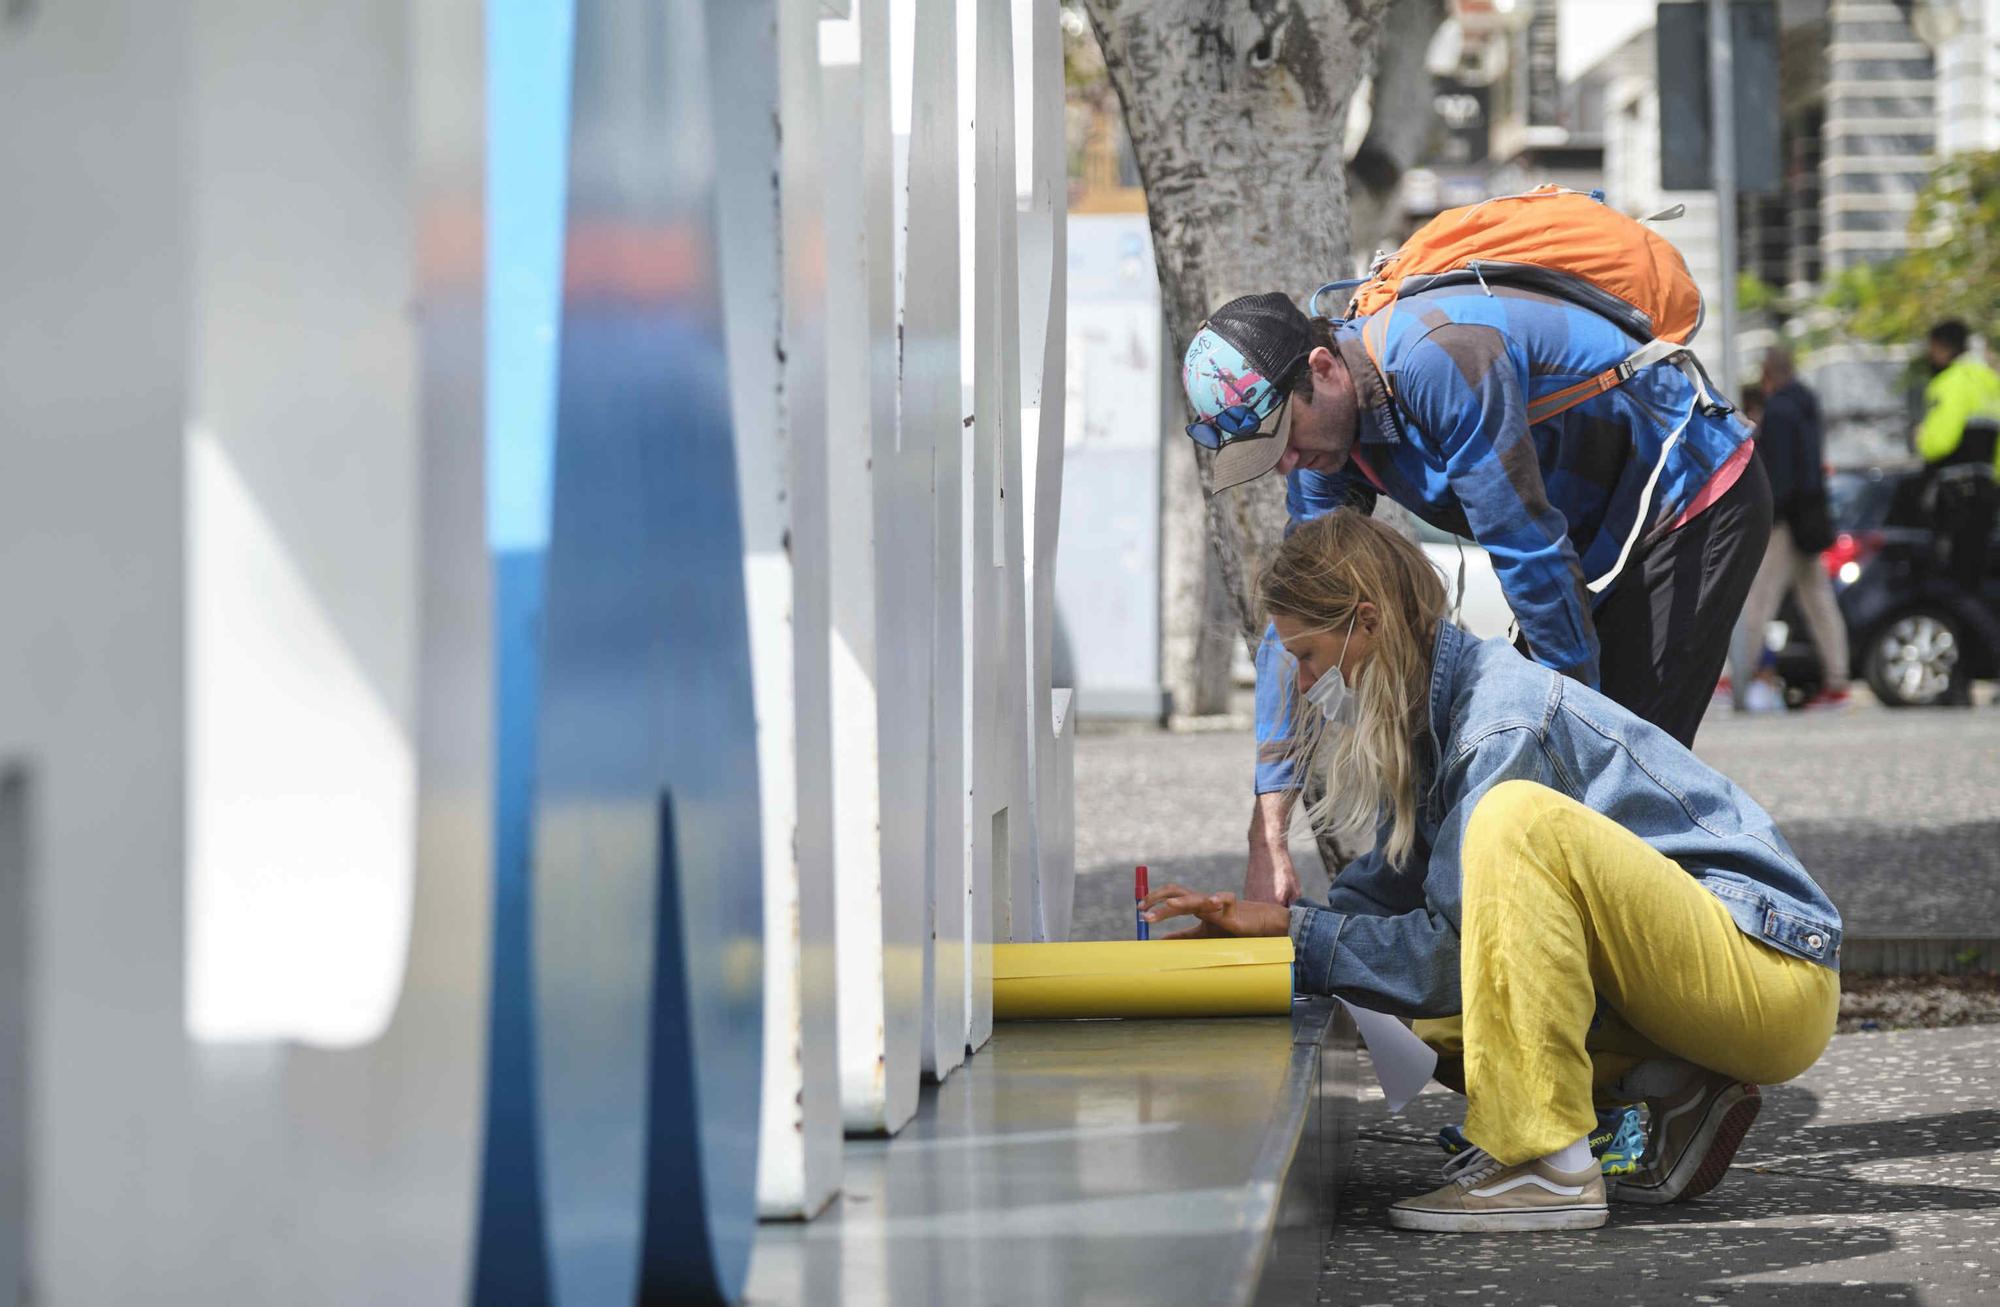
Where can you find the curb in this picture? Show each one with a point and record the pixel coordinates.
(1917, 955)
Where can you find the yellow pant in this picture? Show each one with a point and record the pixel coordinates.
(1563, 906)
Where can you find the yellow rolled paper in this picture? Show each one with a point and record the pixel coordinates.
(1133, 978)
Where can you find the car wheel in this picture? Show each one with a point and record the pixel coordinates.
(1914, 661)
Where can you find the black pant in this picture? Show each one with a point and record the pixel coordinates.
(1964, 501)
(1664, 629)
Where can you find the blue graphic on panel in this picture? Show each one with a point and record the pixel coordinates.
(528, 69)
(647, 922)
(511, 1268)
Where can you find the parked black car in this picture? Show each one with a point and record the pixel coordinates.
(1915, 631)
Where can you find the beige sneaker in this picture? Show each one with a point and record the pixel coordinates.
(1483, 1196)
(1691, 1139)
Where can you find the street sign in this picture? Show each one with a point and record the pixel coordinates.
(1686, 146)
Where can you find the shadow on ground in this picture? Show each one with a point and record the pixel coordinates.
(1846, 1191)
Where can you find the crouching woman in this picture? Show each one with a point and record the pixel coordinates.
(1584, 911)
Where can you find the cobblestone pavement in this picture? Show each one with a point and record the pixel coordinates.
(1873, 1178)
(1897, 814)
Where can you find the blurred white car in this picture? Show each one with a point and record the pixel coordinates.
(1484, 612)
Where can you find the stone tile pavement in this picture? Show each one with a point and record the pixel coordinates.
(1873, 1178)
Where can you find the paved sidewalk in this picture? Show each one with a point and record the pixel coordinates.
(1896, 814)
(1873, 1178)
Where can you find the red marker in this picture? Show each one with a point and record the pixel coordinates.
(1139, 892)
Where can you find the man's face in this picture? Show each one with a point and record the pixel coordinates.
(1941, 356)
(1322, 427)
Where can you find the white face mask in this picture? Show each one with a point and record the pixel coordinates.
(1331, 693)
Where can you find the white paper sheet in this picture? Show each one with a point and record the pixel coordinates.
(1403, 1063)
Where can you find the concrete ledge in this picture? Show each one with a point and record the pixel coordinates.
(1140, 1162)
(1917, 955)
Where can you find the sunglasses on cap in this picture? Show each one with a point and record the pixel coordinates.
(1239, 422)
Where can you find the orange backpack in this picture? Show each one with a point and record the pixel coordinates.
(1561, 242)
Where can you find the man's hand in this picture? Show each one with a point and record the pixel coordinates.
(1218, 914)
(1270, 877)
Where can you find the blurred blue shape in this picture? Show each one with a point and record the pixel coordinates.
(647, 911)
(528, 51)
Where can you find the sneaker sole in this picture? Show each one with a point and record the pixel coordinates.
(1700, 1170)
(1517, 1221)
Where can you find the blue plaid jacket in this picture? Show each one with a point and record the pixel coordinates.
(1552, 503)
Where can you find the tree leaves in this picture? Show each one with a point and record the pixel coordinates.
(1952, 268)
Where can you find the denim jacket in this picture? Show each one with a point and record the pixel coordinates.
(1387, 937)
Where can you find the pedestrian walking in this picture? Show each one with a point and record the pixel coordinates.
(1790, 447)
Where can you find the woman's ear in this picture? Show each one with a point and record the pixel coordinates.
(1368, 618)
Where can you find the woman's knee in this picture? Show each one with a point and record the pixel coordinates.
(1507, 812)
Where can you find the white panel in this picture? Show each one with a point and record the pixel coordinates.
(933, 413)
(805, 185)
(880, 948)
(258, 276)
(91, 564)
(972, 593)
(1048, 869)
(1002, 821)
(904, 550)
(17, 882)
(1058, 817)
(301, 786)
(301, 630)
(798, 1158)
(904, 602)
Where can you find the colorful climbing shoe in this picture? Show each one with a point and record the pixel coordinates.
(1619, 1140)
(1453, 1141)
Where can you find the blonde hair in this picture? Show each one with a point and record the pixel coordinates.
(1320, 577)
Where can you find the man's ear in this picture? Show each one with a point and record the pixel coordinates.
(1321, 362)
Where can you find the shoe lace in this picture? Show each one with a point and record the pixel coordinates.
(1470, 1167)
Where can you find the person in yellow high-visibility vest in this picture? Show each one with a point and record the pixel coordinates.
(1959, 442)
(1963, 392)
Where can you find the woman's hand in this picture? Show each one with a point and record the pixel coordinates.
(1218, 914)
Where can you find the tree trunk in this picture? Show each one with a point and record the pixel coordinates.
(1401, 119)
(1236, 110)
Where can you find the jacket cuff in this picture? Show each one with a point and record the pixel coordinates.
(1315, 932)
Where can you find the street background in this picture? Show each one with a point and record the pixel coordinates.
(1895, 813)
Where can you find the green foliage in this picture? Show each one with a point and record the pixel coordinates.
(1755, 295)
(1952, 269)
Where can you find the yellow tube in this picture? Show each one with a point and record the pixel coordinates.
(1130, 978)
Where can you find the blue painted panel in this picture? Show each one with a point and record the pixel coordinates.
(528, 70)
(647, 901)
(511, 1268)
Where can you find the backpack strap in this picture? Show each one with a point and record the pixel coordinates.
(1312, 305)
(1653, 351)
